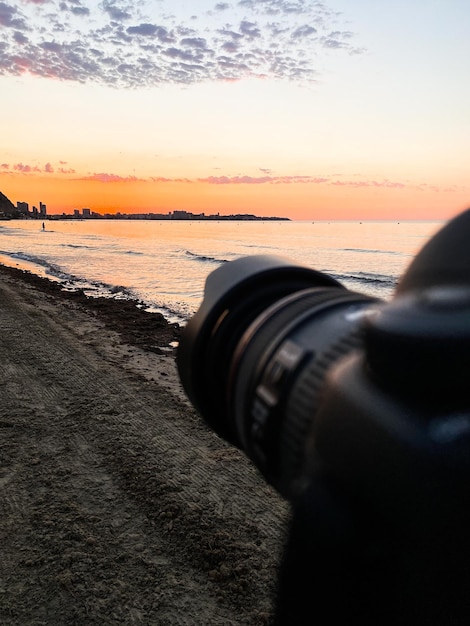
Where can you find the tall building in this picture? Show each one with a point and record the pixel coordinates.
(23, 207)
(42, 209)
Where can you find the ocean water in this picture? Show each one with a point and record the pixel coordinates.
(165, 263)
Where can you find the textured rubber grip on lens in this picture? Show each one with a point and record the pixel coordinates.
(304, 401)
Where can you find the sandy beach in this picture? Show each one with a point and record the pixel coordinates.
(118, 505)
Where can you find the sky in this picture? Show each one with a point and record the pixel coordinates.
(343, 109)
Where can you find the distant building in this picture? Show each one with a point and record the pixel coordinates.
(23, 207)
(186, 215)
(76, 212)
(42, 209)
(86, 212)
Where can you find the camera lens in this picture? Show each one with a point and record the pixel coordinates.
(254, 357)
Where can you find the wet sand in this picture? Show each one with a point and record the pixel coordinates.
(118, 505)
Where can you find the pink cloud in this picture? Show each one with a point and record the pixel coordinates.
(111, 178)
(261, 180)
(26, 169)
(369, 183)
(162, 179)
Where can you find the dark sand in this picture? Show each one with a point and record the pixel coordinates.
(118, 505)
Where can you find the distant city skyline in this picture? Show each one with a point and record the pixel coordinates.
(21, 209)
(306, 109)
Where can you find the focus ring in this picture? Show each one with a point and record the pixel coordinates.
(302, 407)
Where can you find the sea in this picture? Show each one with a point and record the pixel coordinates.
(164, 263)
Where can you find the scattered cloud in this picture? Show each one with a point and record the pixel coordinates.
(24, 168)
(333, 180)
(19, 167)
(260, 180)
(10, 17)
(303, 31)
(369, 183)
(124, 44)
(111, 178)
(115, 12)
(163, 179)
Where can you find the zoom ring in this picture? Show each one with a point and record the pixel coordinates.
(302, 407)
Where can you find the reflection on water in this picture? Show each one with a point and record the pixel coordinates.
(165, 263)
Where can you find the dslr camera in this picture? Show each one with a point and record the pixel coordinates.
(358, 412)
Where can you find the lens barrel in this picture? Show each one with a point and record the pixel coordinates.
(253, 358)
(234, 295)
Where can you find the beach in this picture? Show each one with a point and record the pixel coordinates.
(118, 505)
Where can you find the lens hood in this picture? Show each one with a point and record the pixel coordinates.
(234, 295)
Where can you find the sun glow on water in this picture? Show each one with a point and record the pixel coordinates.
(165, 263)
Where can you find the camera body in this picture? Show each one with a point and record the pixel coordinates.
(358, 412)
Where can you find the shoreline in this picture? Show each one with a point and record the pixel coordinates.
(150, 331)
(119, 505)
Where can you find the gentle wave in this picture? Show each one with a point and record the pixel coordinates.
(70, 281)
(126, 262)
(379, 285)
(77, 247)
(375, 279)
(204, 259)
(110, 249)
(49, 268)
(365, 251)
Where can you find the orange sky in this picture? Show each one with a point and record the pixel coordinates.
(296, 200)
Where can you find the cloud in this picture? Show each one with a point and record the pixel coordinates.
(249, 29)
(163, 179)
(24, 168)
(19, 37)
(10, 17)
(147, 30)
(333, 180)
(303, 31)
(317, 180)
(260, 180)
(369, 183)
(115, 12)
(80, 10)
(111, 178)
(124, 44)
